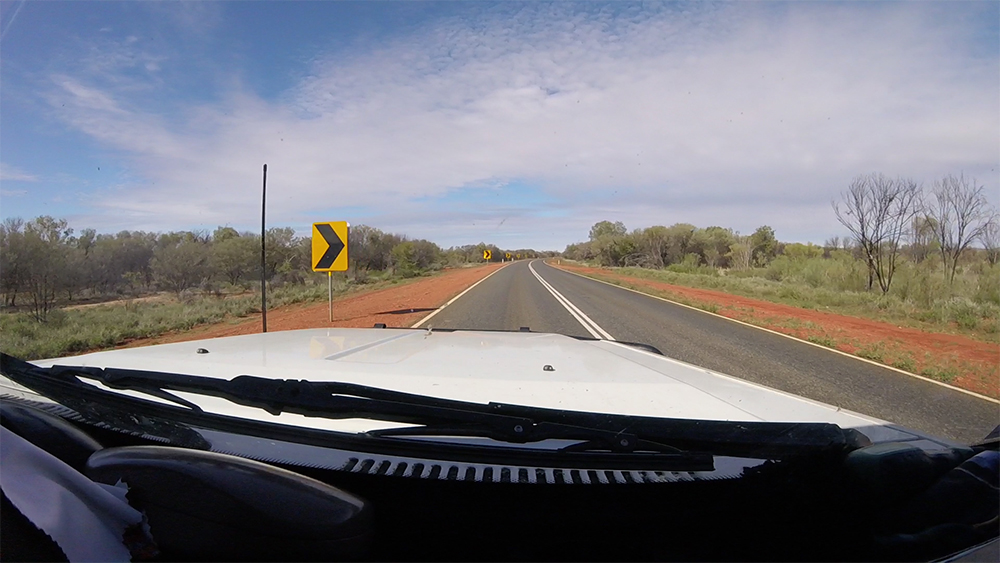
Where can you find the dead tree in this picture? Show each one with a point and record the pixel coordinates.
(960, 213)
(877, 211)
(990, 238)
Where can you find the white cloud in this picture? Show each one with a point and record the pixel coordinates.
(10, 173)
(735, 114)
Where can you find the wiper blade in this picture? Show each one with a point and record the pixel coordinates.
(331, 400)
(445, 417)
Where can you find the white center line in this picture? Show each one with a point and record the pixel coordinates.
(593, 328)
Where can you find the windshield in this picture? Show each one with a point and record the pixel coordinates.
(658, 181)
(593, 276)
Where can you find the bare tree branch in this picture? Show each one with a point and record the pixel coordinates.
(877, 210)
(961, 213)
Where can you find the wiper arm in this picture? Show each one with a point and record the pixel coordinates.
(331, 400)
(445, 417)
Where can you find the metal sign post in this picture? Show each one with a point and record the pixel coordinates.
(329, 278)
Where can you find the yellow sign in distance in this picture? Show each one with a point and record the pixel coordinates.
(329, 247)
(487, 254)
(518, 256)
(508, 255)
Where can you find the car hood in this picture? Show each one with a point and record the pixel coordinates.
(541, 370)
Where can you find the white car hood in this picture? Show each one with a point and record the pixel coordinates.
(504, 367)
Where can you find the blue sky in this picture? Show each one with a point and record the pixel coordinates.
(518, 124)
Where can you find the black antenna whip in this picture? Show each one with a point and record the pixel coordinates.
(263, 264)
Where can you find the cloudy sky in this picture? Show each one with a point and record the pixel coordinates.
(517, 124)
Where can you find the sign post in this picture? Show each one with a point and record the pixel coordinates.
(329, 252)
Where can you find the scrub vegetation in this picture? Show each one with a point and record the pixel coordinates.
(921, 293)
(925, 260)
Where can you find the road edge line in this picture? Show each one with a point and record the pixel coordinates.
(455, 298)
(820, 346)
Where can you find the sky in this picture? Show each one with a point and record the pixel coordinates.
(517, 124)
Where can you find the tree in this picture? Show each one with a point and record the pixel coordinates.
(180, 266)
(717, 246)
(12, 259)
(425, 254)
(798, 251)
(990, 238)
(223, 234)
(370, 248)
(653, 244)
(877, 210)
(236, 259)
(45, 261)
(960, 213)
(740, 253)
(280, 254)
(614, 248)
(923, 240)
(679, 238)
(607, 228)
(404, 260)
(764, 245)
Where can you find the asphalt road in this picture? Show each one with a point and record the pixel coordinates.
(516, 296)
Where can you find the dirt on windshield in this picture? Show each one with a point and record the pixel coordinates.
(397, 306)
(953, 359)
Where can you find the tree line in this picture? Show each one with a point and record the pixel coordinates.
(611, 244)
(887, 218)
(44, 261)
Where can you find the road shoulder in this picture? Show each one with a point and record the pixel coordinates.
(397, 306)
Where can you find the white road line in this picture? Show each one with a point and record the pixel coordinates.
(820, 346)
(593, 328)
(453, 299)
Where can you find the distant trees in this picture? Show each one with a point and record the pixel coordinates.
(658, 246)
(887, 218)
(42, 262)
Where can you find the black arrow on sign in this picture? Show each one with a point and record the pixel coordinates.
(336, 246)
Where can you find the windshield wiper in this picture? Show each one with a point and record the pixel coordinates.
(593, 432)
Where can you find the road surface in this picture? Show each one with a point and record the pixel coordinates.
(545, 299)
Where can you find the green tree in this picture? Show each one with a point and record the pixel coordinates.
(607, 228)
(236, 259)
(13, 261)
(764, 245)
(181, 266)
(45, 254)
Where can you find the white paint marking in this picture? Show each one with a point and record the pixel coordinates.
(588, 323)
(453, 299)
(820, 346)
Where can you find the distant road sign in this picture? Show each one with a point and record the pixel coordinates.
(508, 255)
(487, 254)
(329, 247)
(518, 256)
